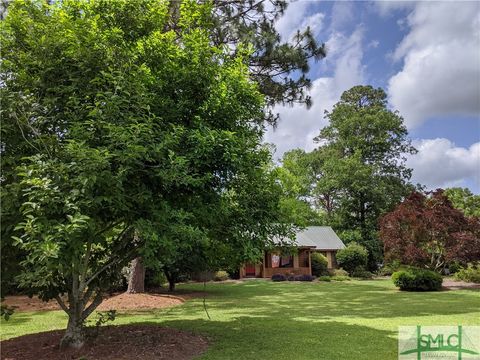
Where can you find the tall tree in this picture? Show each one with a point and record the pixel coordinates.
(279, 66)
(362, 154)
(427, 231)
(129, 124)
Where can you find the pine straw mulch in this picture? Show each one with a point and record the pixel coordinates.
(121, 301)
(146, 342)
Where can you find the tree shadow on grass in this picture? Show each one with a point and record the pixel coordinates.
(325, 301)
(246, 338)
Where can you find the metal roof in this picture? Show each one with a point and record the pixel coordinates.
(320, 237)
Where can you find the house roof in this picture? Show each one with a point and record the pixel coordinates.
(320, 237)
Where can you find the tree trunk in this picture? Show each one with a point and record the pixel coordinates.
(136, 281)
(171, 281)
(74, 335)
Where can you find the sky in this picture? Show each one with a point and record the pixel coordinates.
(425, 55)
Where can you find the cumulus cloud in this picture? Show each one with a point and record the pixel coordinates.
(441, 63)
(298, 126)
(299, 16)
(439, 163)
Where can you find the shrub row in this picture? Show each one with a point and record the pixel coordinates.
(281, 277)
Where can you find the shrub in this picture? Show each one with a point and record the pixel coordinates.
(279, 277)
(221, 276)
(352, 257)
(338, 272)
(362, 273)
(389, 269)
(319, 264)
(304, 278)
(417, 280)
(325, 278)
(341, 278)
(469, 274)
(454, 267)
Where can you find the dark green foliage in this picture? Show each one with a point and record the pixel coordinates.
(319, 264)
(304, 278)
(325, 278)
(469, 274)
(353, 256)
(417, 280)
(390, 268)
(361, 273)
(6, 311)
(279, 277)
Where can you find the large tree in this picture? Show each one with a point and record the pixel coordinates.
(121, 129)
(427, 231)
(279, 66)
(362, 156)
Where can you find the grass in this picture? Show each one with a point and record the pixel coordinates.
(262, 320)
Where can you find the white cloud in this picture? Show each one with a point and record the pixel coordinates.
(298, 126)
(441, 70)
(298, 16)
(439, 163)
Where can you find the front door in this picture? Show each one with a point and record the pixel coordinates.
(249, 269)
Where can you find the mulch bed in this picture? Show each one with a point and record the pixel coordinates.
(458, 285)
(121, 301)
(144, 342)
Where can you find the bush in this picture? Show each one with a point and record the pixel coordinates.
(325, 278)
(279, 277)
(338, 272)
(304, 278)
(469, 274)
(352, 257)
(362, 273)
(389, 269)
(341, 278)
(319, 264)
(221, 276)
(417, 280)
(454, 267)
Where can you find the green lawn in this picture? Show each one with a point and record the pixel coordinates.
(263, 320)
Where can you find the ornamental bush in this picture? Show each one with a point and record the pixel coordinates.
(221, 276)
(279, 277)
(352, 257)
(417, 280)
(304, 278)
(469, 274)
(319, 264)
(361, 273)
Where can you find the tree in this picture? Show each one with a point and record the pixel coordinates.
(464, 200)
(362, 161)
(124, 129)
(295, 177)
(427, 231)
(278, 66)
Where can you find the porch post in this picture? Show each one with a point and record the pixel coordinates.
(310, 261)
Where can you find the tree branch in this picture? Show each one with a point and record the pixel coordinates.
(62, 304)
(97, 301)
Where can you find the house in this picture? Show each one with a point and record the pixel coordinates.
(312, 239)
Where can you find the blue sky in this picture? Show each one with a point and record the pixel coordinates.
(426, 55)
